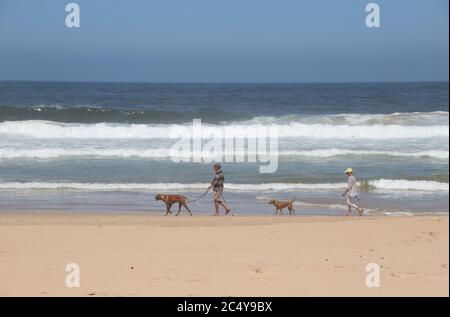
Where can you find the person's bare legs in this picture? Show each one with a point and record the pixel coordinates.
(349, 212)
(218, 204)
(216, 207)
(351, 205)
(225, 207)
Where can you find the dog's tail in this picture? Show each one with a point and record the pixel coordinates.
(293, 199)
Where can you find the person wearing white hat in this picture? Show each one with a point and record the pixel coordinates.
(351, 193)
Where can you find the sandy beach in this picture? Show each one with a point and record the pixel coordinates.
(141, 255)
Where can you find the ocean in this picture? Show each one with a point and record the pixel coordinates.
(105, 147)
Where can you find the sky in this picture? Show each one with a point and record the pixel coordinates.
(224, 41)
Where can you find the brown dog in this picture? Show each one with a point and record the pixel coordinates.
(173, 199)
(281, 204)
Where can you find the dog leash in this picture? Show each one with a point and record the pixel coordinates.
(198, 198)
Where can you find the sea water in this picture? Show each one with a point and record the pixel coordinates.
(105, 147)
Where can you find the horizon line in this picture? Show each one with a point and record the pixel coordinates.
(226, 82)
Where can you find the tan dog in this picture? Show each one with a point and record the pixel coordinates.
(169, 200)
(281, 204)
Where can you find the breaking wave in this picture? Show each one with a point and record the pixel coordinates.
(165, 153)
(57, 130)
(383, 184)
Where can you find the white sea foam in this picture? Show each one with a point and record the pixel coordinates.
(341, 152)
(164, 153)
(51, 153)
(403, 118)
(383, 184)
(101, 186)
(56, 130)
(399, 213)
(402, 184)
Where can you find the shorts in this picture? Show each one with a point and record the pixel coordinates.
(217, 194)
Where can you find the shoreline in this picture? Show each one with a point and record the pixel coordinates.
(141, 255)
(160, 214)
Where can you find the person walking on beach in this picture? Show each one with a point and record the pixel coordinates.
(217, 187)
(351, 193)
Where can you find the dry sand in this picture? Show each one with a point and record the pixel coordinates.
(141, 255)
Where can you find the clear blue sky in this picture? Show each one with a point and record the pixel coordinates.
(224, 41)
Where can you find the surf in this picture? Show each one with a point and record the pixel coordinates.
(56, 130)
(379, 184)
(165, 153)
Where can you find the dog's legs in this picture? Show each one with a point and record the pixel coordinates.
(168, 206)
(179, 209)
(290, 210)
(180, 204)
(187, 208)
